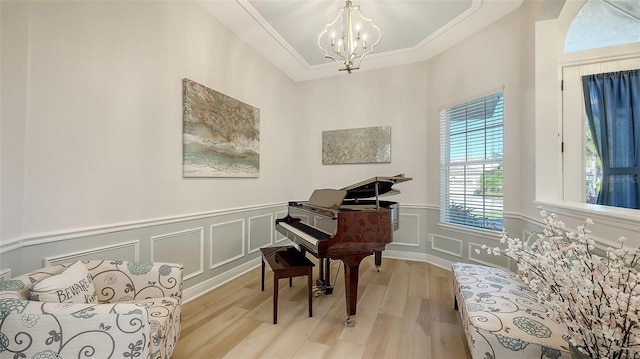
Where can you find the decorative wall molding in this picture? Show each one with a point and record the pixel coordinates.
(203, 287)
(416, 234)
(419, 206)
(419, 257)
(241, 237)
(270, 231)
(477, 257)
(74, 256)
(279, 237)
(433, 238)
(174, 235)
(49, 237)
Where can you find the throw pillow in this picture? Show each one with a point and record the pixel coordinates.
(73, 285)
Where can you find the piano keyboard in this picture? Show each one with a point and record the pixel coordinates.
(306, 233)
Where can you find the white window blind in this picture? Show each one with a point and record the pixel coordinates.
(471, 163)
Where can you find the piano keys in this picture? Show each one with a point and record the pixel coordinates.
(345, 225)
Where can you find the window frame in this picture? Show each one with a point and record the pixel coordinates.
(574, 123)
(450, 212)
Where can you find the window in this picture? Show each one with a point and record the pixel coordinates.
(471, 163)
(604, 23)
(581, 167)
(605, 29)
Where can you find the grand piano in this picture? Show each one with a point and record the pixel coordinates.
(348, 224)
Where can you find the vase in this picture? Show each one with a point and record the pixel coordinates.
(577, 354)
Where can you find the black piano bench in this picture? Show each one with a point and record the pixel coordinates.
(287, 262)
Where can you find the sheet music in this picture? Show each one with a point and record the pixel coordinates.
(327, 198)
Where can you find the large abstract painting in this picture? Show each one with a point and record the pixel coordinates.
(358, 145)
(221, 135)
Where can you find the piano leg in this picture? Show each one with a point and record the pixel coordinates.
(351, 271)
(378, 261)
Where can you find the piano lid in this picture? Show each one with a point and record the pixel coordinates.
(367, 188)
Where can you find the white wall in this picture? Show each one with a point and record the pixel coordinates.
(499, 58)
(395, 97)
(92, 114)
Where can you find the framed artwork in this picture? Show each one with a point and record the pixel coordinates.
(221, 135)
(358, 145)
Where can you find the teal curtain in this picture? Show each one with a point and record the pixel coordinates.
(612, 102)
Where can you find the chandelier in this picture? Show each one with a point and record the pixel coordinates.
(349, 38)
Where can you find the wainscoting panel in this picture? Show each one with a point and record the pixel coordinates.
(260, 231)
(409, 232)
(126, 251)
(186, 247)
(279, 236)
(226, 242)
(442, 244)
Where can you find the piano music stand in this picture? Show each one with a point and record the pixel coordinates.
(287, 262)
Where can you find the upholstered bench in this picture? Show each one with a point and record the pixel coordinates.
(501, 316)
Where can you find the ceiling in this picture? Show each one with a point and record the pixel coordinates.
(285, 31)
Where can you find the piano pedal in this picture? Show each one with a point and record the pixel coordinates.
(322, 288)
(378, 269)
(328, 289)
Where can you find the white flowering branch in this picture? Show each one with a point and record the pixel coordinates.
(594, 294)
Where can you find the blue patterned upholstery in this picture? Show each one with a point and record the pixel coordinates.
(502, 318)
(138, 314)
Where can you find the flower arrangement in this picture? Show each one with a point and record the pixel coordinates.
(594, 293)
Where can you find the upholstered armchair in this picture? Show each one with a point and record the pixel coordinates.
(136, 314)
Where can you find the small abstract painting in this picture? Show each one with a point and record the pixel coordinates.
(358, 145)
(221, 135)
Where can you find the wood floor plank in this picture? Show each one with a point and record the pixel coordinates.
(396, 295)
(404, 312)
(196, 340)
(312, 350)
(415, 341)
(418, 278)
(207, 312)
(368, 308)
(384, 340)
(344, 349)
(225, 341)
(330, 326)
(256, 342)
(292, 338)
(446, 342)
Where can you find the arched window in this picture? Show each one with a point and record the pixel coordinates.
(604, 23)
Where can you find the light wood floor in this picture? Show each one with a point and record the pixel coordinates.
(404, 312)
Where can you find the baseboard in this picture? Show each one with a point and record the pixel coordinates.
(420, 257)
